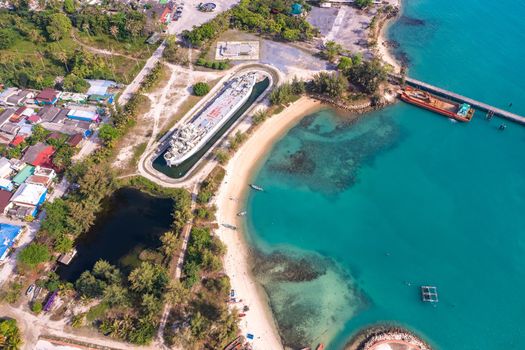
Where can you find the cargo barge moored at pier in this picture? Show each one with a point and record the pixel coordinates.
(462, 112)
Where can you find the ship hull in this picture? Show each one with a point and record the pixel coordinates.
(407, 98)
(211, 132)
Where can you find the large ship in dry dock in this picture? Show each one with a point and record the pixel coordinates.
(193, 135)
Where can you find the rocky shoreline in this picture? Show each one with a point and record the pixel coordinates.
(371, 338)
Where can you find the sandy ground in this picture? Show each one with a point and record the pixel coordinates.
(258, 320)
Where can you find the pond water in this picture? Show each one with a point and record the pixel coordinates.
(130, 222)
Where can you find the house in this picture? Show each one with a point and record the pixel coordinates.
(162, 13)
(61, 116)
(17, 165)
(6, 185)
(34, 119)
(5, 199)
(5, 139)
(73, 97)
(10, 128)
(19, 98)
(29, 196)
(42, 176)
(47, 97)
(75, 140)
(83, 115)
(18, 139)
(23, 174)
(39, 180)
(21, 113)
(48, 113)
(38, 154)
(5, 115)
(6, 94)
(5, 168)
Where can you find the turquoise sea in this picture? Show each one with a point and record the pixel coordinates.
(357, 216)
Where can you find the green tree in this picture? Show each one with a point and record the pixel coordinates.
(176, 294)
(59, 26)
(363, 3)
(331, 50)
(344, 65)
(89, 286)
(63, 244)
(368, 75)
(108, 134)
(10, 338)
(36, 307)
(170, 243)
(69, 6)
(148, 278)
(75, 84)
(201, 89)
(7, 38)
(34, 254)
(116, 295)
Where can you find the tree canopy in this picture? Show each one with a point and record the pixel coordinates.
(34, 254)
(201, 89)
(59, 26)
(10, 338)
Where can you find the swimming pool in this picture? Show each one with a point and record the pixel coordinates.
(8, 234)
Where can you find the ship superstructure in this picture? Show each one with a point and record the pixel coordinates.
(193, 135)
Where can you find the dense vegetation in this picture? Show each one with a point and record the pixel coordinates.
(10, 338)
(200, 318)
(37, 46)
(201, 89)
(265, 17)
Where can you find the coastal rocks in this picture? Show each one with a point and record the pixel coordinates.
(280, 267)
(389, 336)
(326, 151)
(294, 281)
(411, 21)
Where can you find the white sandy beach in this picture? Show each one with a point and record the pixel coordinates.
(258, 320)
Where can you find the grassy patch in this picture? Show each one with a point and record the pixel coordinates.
(135, 47)
(137, 152)
(97, 312)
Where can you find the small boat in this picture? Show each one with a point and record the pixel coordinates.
(462, 112)
(257, 188)
(231, 227)
(320, 346)
(242, 213)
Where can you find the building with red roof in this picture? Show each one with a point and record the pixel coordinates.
(47, 97)
(39, 154)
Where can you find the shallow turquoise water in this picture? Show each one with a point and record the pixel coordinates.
(405, 197)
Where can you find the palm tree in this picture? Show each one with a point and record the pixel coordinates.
(114, 31)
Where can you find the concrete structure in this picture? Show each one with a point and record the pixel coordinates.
(237, 50)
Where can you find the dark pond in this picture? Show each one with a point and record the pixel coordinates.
(131, 222)
(179, 171)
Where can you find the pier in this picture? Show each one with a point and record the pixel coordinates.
(462, 99)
